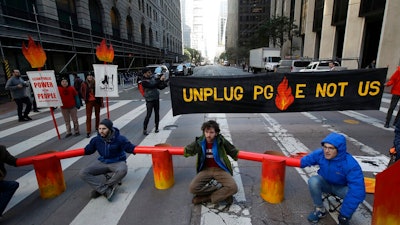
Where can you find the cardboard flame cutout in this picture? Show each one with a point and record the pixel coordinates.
(34, 54)
(284, 97)
(103, 53)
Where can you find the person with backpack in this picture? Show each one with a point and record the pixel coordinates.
(150, 85)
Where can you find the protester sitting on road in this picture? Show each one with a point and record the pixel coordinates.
(339, 174)
(106, 173)
(17, 87)
(213, 182)
(68, 109)
(396, 141)
(7, 188)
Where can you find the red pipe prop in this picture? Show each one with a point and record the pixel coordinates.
(49, 176)
(60, 155)
(272, 180)
(294, 162)
(163, 169)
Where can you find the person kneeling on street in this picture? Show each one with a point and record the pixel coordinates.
(339, 174)
(106, 173)
(214, 182)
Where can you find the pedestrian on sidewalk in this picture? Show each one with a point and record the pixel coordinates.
(7, 187)
(339, 174)
(68, 109)
(91, 101)
(106, 173)
(17, 86)
(214, 182)
(394, 81)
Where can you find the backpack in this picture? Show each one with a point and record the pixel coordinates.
(141, 88)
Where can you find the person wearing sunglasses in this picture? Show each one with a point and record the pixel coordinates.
(339, 174)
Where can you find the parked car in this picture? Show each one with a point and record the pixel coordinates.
(179, 70)
(159, 69)
(292, 65)
(226, 63)
(322, 66)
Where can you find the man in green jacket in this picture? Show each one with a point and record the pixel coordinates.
(213, 182)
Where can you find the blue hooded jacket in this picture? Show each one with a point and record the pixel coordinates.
(112, 149)
(341, 170)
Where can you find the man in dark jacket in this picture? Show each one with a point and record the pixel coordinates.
(339, 174)
(152, 97)
(213, 182)
(112, 148)
(17, 87)
(7, 188)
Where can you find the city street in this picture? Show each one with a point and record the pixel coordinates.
(137, 201)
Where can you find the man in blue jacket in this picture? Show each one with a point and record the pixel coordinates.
(213, 182)
(339, 174)
(112, 148)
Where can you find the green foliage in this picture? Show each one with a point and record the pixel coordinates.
(276, 31)
(193, 55)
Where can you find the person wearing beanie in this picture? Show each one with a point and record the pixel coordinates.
(152, 97)
(339, 174)
(104, 174)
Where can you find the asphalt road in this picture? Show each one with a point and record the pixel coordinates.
(137, 201)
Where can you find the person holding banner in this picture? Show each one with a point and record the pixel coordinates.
(339, 174)
(394, 81)
(91, 101)
(213, 182)
(68, 109)
(17, 87)
(152, 97)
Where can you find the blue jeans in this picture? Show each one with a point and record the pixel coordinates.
(7, 190)
(318, 185)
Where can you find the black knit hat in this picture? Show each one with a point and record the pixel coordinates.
(108, 123)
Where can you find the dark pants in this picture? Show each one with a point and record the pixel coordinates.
(150, 105)
(393, 104)
(7, 190)
(20, 106)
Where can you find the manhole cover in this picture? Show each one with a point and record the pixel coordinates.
(170, 127)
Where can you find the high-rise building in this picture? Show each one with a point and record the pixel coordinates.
(141, 32)
(352, 32)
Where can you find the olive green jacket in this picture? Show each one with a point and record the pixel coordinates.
(221, 149)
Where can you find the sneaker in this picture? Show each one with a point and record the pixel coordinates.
(157, 131)
(68, 135)
(110, 192)
(22, 119)
(386, 125)
(88, 135)
(94, 194)
(316, 215)
(201, 199)
(145, 132)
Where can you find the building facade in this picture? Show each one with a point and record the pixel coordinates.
(354, 32)
(140, 31)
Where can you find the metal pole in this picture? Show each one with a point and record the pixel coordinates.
(73, 43)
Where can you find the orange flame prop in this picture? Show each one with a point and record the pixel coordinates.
(284, 97)
(103, 53)
(34, 54)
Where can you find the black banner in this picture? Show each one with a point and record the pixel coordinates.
(279, 92)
